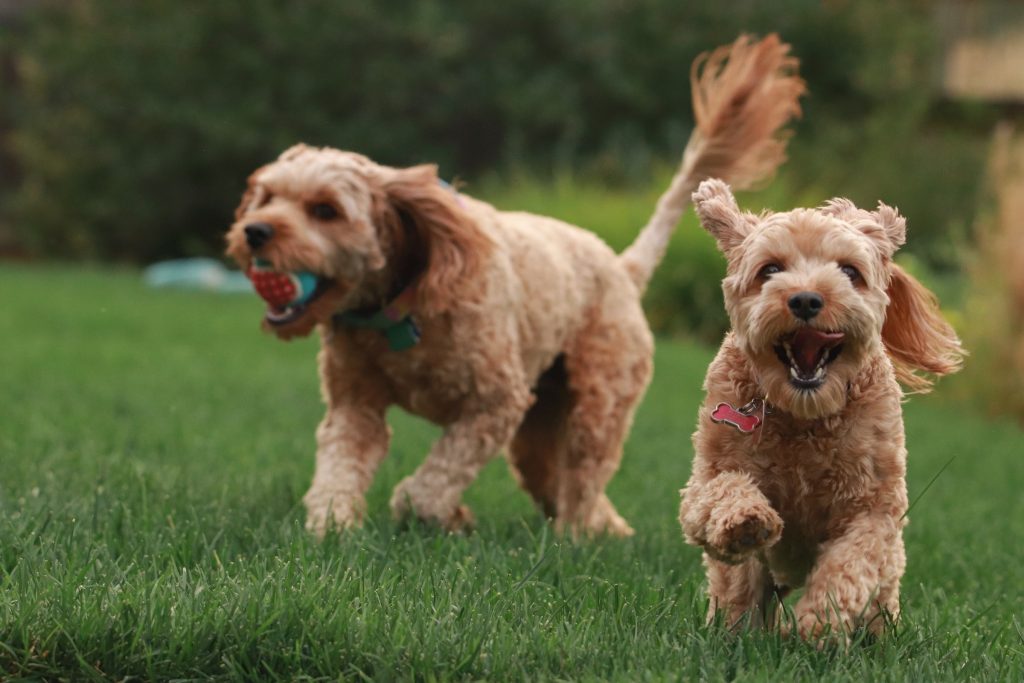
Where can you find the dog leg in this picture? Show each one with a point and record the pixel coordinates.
(855, 578)
(433, 493)
(728, 516)
(541, 440)
(609, 368)
(351, 442)
(889, 589)
(738, 592)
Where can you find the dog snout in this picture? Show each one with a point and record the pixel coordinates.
(806, 305)
(258, 234)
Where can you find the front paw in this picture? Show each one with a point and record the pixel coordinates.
(327, 510)
(410, 500)
(738, 534)
(821, 629)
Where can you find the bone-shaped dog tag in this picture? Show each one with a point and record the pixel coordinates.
(740, 419)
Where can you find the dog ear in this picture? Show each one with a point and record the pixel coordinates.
(294, 151)
(456, 249)
(915, 335)
(720, 215)
(893, 225)
(885, 225)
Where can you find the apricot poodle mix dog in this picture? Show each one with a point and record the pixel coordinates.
(800, 461)
(507, 329)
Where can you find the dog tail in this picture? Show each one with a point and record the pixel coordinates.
(743, 94)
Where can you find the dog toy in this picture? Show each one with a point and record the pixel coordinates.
(281, 289)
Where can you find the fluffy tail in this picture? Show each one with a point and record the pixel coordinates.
(742, 96)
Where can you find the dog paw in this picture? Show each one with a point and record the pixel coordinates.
(735, 537)
(820, 630)
(409, 501)
(601, 520)
(461, 520)
(331, 510)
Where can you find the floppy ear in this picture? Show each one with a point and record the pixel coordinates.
(915, 335)
(720, 215)
(456, 249)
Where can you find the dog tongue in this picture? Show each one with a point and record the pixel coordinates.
(808, 344)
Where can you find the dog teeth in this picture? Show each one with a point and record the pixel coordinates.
(789, 352)
(794, 367)
(280, 315)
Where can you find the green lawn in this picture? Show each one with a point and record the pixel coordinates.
(154, 448)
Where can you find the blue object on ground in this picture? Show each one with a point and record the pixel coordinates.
(196, 273)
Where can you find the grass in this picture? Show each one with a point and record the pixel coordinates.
(155, 447)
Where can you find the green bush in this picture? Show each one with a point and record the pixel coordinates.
(135, 123)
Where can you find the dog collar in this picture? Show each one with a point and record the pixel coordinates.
(394, 321)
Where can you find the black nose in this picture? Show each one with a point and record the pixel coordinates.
(806, 305)
(258, 234)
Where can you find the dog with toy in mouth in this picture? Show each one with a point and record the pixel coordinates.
(509, 330)
(798, 476)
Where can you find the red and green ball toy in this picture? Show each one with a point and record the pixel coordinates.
(285, 291)
(281, 289)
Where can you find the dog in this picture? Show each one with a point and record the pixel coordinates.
(799, 470)
(509, 330)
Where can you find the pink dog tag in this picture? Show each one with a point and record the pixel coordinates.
(742, 419)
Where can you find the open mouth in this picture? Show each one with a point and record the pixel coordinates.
(807, 353)
(282, 315)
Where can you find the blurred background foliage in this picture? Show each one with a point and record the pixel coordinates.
(131, 126)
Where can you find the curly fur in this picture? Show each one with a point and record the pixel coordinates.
(533, 337)
(817, 496)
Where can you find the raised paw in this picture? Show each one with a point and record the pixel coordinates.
(735, 536)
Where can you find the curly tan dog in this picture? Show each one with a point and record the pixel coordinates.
(507, 329)
(799, 471)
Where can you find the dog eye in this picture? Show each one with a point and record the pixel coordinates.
(851, 272)
(769, 270)
(322, 211)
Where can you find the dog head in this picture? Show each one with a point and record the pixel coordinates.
(812, 294)
(364, 230)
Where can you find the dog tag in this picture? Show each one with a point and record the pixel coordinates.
(742, 419)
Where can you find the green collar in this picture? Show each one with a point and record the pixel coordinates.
(393, 320)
